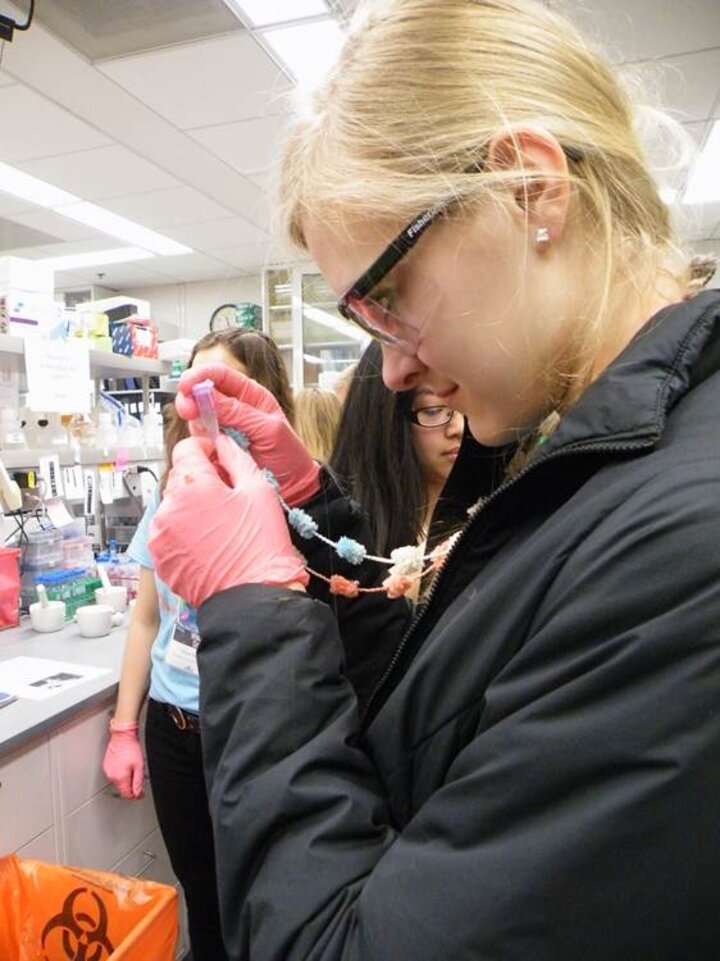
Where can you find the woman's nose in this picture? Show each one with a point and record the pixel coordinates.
(400, 371)
(455, 427)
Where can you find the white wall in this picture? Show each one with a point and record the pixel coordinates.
(184, 310)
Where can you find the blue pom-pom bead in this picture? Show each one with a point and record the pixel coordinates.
(302, 523)
(350, 550)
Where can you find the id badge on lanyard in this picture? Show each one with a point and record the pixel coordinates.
(182, 650)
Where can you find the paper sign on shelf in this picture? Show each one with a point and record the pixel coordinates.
(105, 483)
(90, 493)
(73, 481)
(58, 375)
(117, 486)
(49, 470)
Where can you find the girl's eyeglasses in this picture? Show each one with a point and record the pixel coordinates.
(431, 416)
(369, 313)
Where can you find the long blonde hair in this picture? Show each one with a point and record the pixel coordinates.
(317, 415)
(419, 92)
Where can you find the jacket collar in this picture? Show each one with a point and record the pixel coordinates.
(630, 400)
(628, 403)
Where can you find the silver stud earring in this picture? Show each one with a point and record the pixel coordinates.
(542, 236)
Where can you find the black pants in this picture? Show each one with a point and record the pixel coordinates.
(178, 787)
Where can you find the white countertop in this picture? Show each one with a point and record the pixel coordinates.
(25, 720)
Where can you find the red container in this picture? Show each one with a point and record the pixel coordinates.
(9, 587)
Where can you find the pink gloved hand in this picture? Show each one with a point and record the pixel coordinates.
(220, 524)
(244, 405)
(123, 764)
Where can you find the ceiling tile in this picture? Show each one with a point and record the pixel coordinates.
(40, 128)
(13, 234)
(697, 222)
(643, 29)
(100, 173)
(214, 234)
(189, 267)
(201, 84)
(686, 86)
(251, 145)
(246, 256)
(9, 206)
(167, 208)
(114, 276)
(69, 247)
(60, 227)
(102, 29)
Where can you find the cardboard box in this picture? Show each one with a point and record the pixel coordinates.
(137, 340)
(121, 338)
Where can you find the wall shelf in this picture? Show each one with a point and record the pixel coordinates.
(102, 364)
(85, 456)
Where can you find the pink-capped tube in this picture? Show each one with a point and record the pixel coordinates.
(202, 393)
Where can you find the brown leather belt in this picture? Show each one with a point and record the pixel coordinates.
(184, 720)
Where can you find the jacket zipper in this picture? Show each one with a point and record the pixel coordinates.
(367, 715)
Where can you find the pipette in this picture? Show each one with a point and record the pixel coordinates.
(202, 393)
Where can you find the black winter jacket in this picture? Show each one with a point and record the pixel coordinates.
(538, 775)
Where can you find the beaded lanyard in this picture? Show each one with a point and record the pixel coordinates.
(407, 564)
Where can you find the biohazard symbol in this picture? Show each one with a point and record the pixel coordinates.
(83, 939)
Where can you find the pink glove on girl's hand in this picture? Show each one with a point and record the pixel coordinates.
(210, 533)
(123, 764)
(246, 406)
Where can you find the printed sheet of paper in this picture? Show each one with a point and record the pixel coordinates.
(58, 375)
(37, 678)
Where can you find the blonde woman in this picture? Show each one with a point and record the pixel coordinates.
(536, 775)
(317, 415)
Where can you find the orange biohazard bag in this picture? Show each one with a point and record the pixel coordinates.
(53, 913)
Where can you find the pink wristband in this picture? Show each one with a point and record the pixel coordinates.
(123, 727)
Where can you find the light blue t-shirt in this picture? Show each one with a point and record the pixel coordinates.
(167, 683)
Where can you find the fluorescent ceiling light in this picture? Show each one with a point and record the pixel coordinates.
(264, 12)
(19, 184)
(109, 223)
(98, 258)
(309, 50)
(703, 186)
(335, 323)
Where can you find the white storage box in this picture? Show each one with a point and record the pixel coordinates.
(27, 314)
(105, 306)
(32, 276)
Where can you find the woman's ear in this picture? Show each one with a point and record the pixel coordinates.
(542, 192)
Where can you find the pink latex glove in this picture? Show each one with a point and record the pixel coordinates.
(220, 524)
(246, 406)
(123, 764)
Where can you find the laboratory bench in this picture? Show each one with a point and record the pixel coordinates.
(56, 803)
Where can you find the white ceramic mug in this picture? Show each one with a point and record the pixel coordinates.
(47, 619)
(96, 620)
(115, 597)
